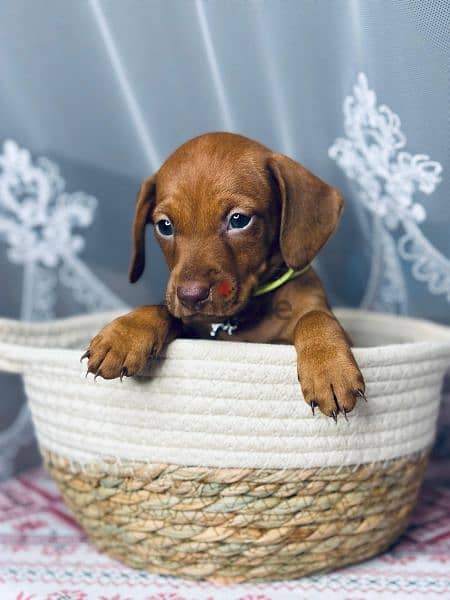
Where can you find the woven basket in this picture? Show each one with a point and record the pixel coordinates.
(214, 467)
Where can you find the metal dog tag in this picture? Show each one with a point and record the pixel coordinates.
(228, 326)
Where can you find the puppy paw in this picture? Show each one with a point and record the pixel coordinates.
(123, 348)
(330, 380)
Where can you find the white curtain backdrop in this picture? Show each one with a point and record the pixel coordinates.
(94, 94)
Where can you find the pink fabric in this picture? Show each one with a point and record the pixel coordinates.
(45, 556)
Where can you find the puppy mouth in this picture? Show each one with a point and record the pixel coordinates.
(206, 311)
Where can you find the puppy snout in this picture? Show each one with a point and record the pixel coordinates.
(192, 294)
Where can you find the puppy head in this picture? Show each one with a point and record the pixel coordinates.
(225, 209)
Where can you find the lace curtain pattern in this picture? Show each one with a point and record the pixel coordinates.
(95, 94)
(387, 178)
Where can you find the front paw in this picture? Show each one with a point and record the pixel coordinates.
(330, 379)
(122, 349)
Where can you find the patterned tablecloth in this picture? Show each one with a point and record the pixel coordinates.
(45, 556)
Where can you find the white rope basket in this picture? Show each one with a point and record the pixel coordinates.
(213, 465)
(229, 404)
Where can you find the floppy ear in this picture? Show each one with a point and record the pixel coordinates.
(144, 203)
(310, 210)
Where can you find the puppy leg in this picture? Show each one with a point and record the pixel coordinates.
(327, 371)
(124, 346)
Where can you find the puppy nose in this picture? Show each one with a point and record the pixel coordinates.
(192, 294)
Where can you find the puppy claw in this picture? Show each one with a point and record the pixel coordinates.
(85, 355)
(313, 405)
(123, 373)
(345, 414)
(87, 373)
(361, 394)
(334, 414)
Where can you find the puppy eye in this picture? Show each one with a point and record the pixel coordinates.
(239, 221)
(164, 227)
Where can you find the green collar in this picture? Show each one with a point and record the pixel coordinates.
(273, 285)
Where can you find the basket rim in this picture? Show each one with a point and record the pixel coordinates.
(24, 344)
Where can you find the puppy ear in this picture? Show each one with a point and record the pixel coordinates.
(310, 210)
(144, 204)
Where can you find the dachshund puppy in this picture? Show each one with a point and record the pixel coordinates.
(239, 226)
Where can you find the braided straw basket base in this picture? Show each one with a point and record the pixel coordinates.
(230, 525)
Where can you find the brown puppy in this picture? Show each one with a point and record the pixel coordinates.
(231, 216)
